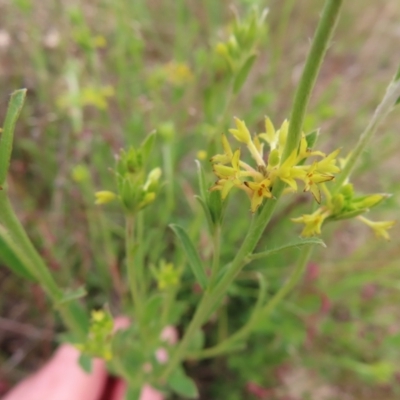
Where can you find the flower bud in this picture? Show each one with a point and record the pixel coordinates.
(104, 197)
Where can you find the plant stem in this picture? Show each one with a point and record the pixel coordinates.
(130, 247)
(383, 109)
(33, 262)
(6, 138)
(216, 255)
(209, 301)
(326, 26)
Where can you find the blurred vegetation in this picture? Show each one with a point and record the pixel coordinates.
(103, 74)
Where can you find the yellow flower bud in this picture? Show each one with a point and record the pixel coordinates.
(241, 134)
(104, 197)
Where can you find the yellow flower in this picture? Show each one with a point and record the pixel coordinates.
(379, 227)
(104, 197)
(313, 222)
(241, 134)
(260, 190)
(269, 135)
(178, 74)
(328, 164)
(305, 152)
(313, 178)
(201, 154)
(225, 158)
(223, 171)
(288, 173)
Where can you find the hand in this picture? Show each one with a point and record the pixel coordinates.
(63, 379)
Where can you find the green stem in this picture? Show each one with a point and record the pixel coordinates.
(7, 135)
(209, 301)
(216, 255)
(33, 262)
(284, 290)
(130, 247)
(326, 26)
(389, 100)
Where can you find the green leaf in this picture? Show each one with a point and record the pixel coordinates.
(397, 76)
(206, 212)
(215, 206)
(191, 254)
(147, 146)
(311, 138)
(347, 215)
(152, 307)
(11, 256)
(6, 138)
(202, 181)
(296, 243)
(181, 384)
(72, 294)
(197, 342)
(85, 362)
(242, 75)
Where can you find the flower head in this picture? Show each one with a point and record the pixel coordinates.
(379, 227)
(312, 222)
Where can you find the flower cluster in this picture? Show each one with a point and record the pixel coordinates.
(344, 205)
(136, 189)
(98, 341)
(258, 181)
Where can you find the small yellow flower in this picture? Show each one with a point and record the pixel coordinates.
(80, 173)
(313, 222)
(269, 135)
(201, 154)
(328, 164)
(241, 134)
(379, 227)
(313, 178)
(288, 173)
(223, 171)
(225, 158)
(305, 152)
(104, 197)
(177, 73)
(259, 191)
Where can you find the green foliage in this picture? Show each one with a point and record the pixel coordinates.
(236, 285)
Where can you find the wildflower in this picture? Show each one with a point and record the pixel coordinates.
(241, 134)
(227, 156)
(328, 164)
(288, 174)
(313, 222)
(80, 173)
(104, 197)
(379, 227)
(178, 74)
(313, 178)
(260, 190)
(201, 154)
(269, 135)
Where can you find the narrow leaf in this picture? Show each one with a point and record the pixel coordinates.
(11, 256)
(191, 254)
(7, 135)
(311, 138)
(206, 212)
(147, 146)
(242, 75)
(296, 243)
(202, 181)
(181, 384)
(85, 363)
(71, 295)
